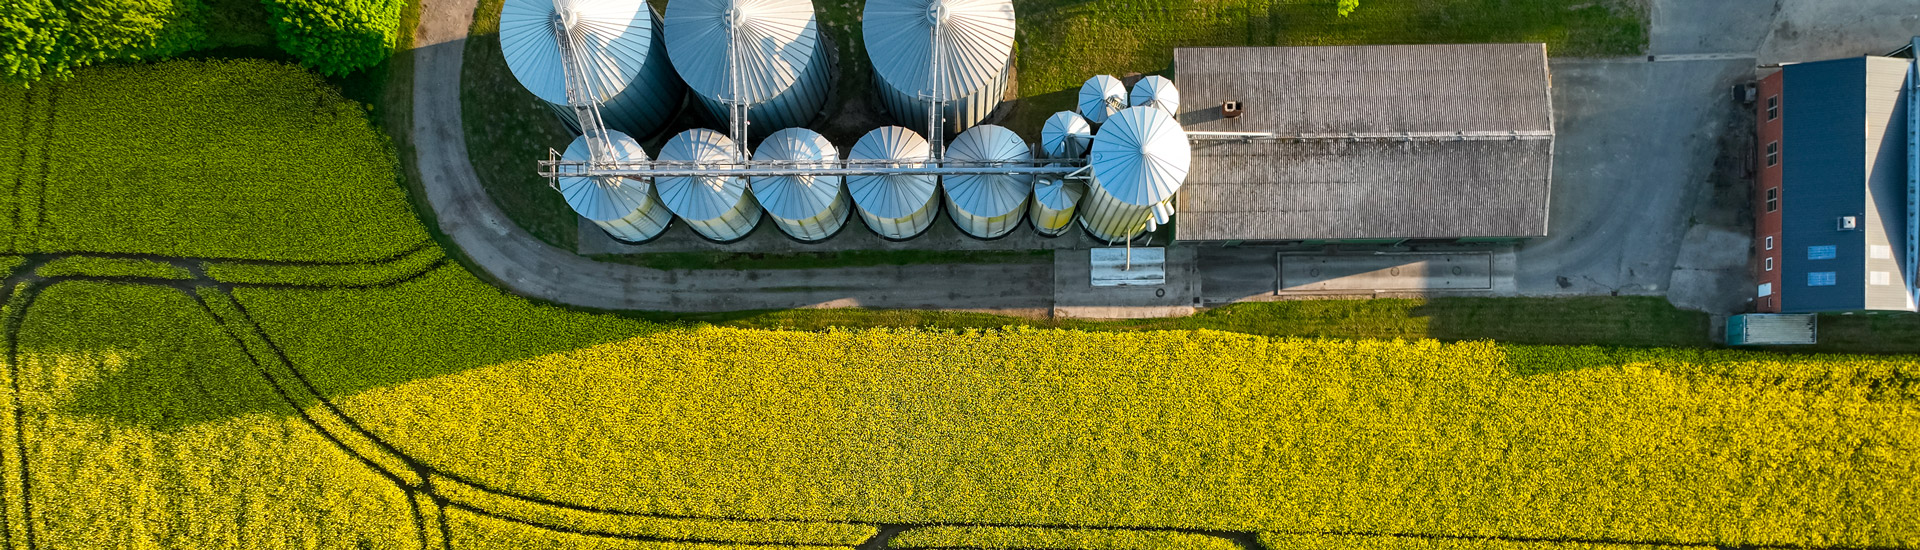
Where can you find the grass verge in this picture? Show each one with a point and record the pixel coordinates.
(508, 129)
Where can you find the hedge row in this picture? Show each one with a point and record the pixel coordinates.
(249, 160)
(43, 38)
(1021, 538)
(96, 266)
(1155, 429)
(147, 428)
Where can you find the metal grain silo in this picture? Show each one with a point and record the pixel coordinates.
(1054, 201)
(975, 45)
(988, 206)
(777, 46)
(1139, 160)
(1101, 97)
(620, 46)
(899, 206)
(625, 208)
(717, 207)
(1157, 91)
(1066, 135)
(807, 208)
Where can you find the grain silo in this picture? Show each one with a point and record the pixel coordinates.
(897, 206)
(623, 207)
(719, 208)
(1139, 160)
(807, 208)
(781, 58)
(1101, 97)
(618, 43)
(1054, 201)
(974, 49)
(1157, 91)
(1066, 135)
(988, 206)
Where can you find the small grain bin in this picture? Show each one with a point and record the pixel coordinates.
(975, 45)
(898, 206)
(1054, 200)
(782, 59)
(807, 208)
(1066, 135)
(1139, 160)
(718, 208)
(1101, 97)
(988, 206)
(625, 208)
(1157, 91)
(618, 43)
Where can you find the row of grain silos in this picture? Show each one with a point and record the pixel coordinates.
(769, 55)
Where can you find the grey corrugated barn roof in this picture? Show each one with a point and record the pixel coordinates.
(1372, 188)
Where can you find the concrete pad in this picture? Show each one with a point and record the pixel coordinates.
(1237, 274)
(1471, 271)
(1709, 26)
(765, 238)
(1712, 274)
(1636, 147)
(1075, 296)
(1143, 266)
(1812, 30)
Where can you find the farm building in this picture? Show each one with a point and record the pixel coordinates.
(1833, 195)
(1365, 143)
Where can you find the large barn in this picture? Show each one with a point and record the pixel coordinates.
(1366, 143)
(1833, 206)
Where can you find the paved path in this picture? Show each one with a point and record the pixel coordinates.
(530, 268)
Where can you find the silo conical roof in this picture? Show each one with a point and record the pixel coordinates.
(976, 42)
(605, 198)
(1157, 91)
(1101, 97)
(701, 197)
(1053, 135)
(1141, 156)
(773, 39)
(797, 197)
(989, 195)
(1058, 193)
(898, 195)
(612, 36)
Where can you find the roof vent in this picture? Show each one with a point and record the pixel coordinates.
(1849, 223)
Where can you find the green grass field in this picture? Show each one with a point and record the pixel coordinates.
(307, 401)
(1060, 44)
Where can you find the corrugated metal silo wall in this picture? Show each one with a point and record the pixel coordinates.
(902, 228)
(644, 224)
(726, 226)
(650, 101)
(960, 113)
(1111, 219)
(792, 108)
(1049, 221)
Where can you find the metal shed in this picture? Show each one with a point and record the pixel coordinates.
(807, 208)
(975, 47)
(1066, 135)
(899, 206)
(619, 44)
(718, 208)
(1139, 159)
(625, 208)
(782, 58)
(988, 206)
(1054, 201)
(1157, 91)
(1101, 97)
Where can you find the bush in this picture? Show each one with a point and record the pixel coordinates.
(336, 36)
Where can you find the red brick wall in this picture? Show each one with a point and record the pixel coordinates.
(1767, 224)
